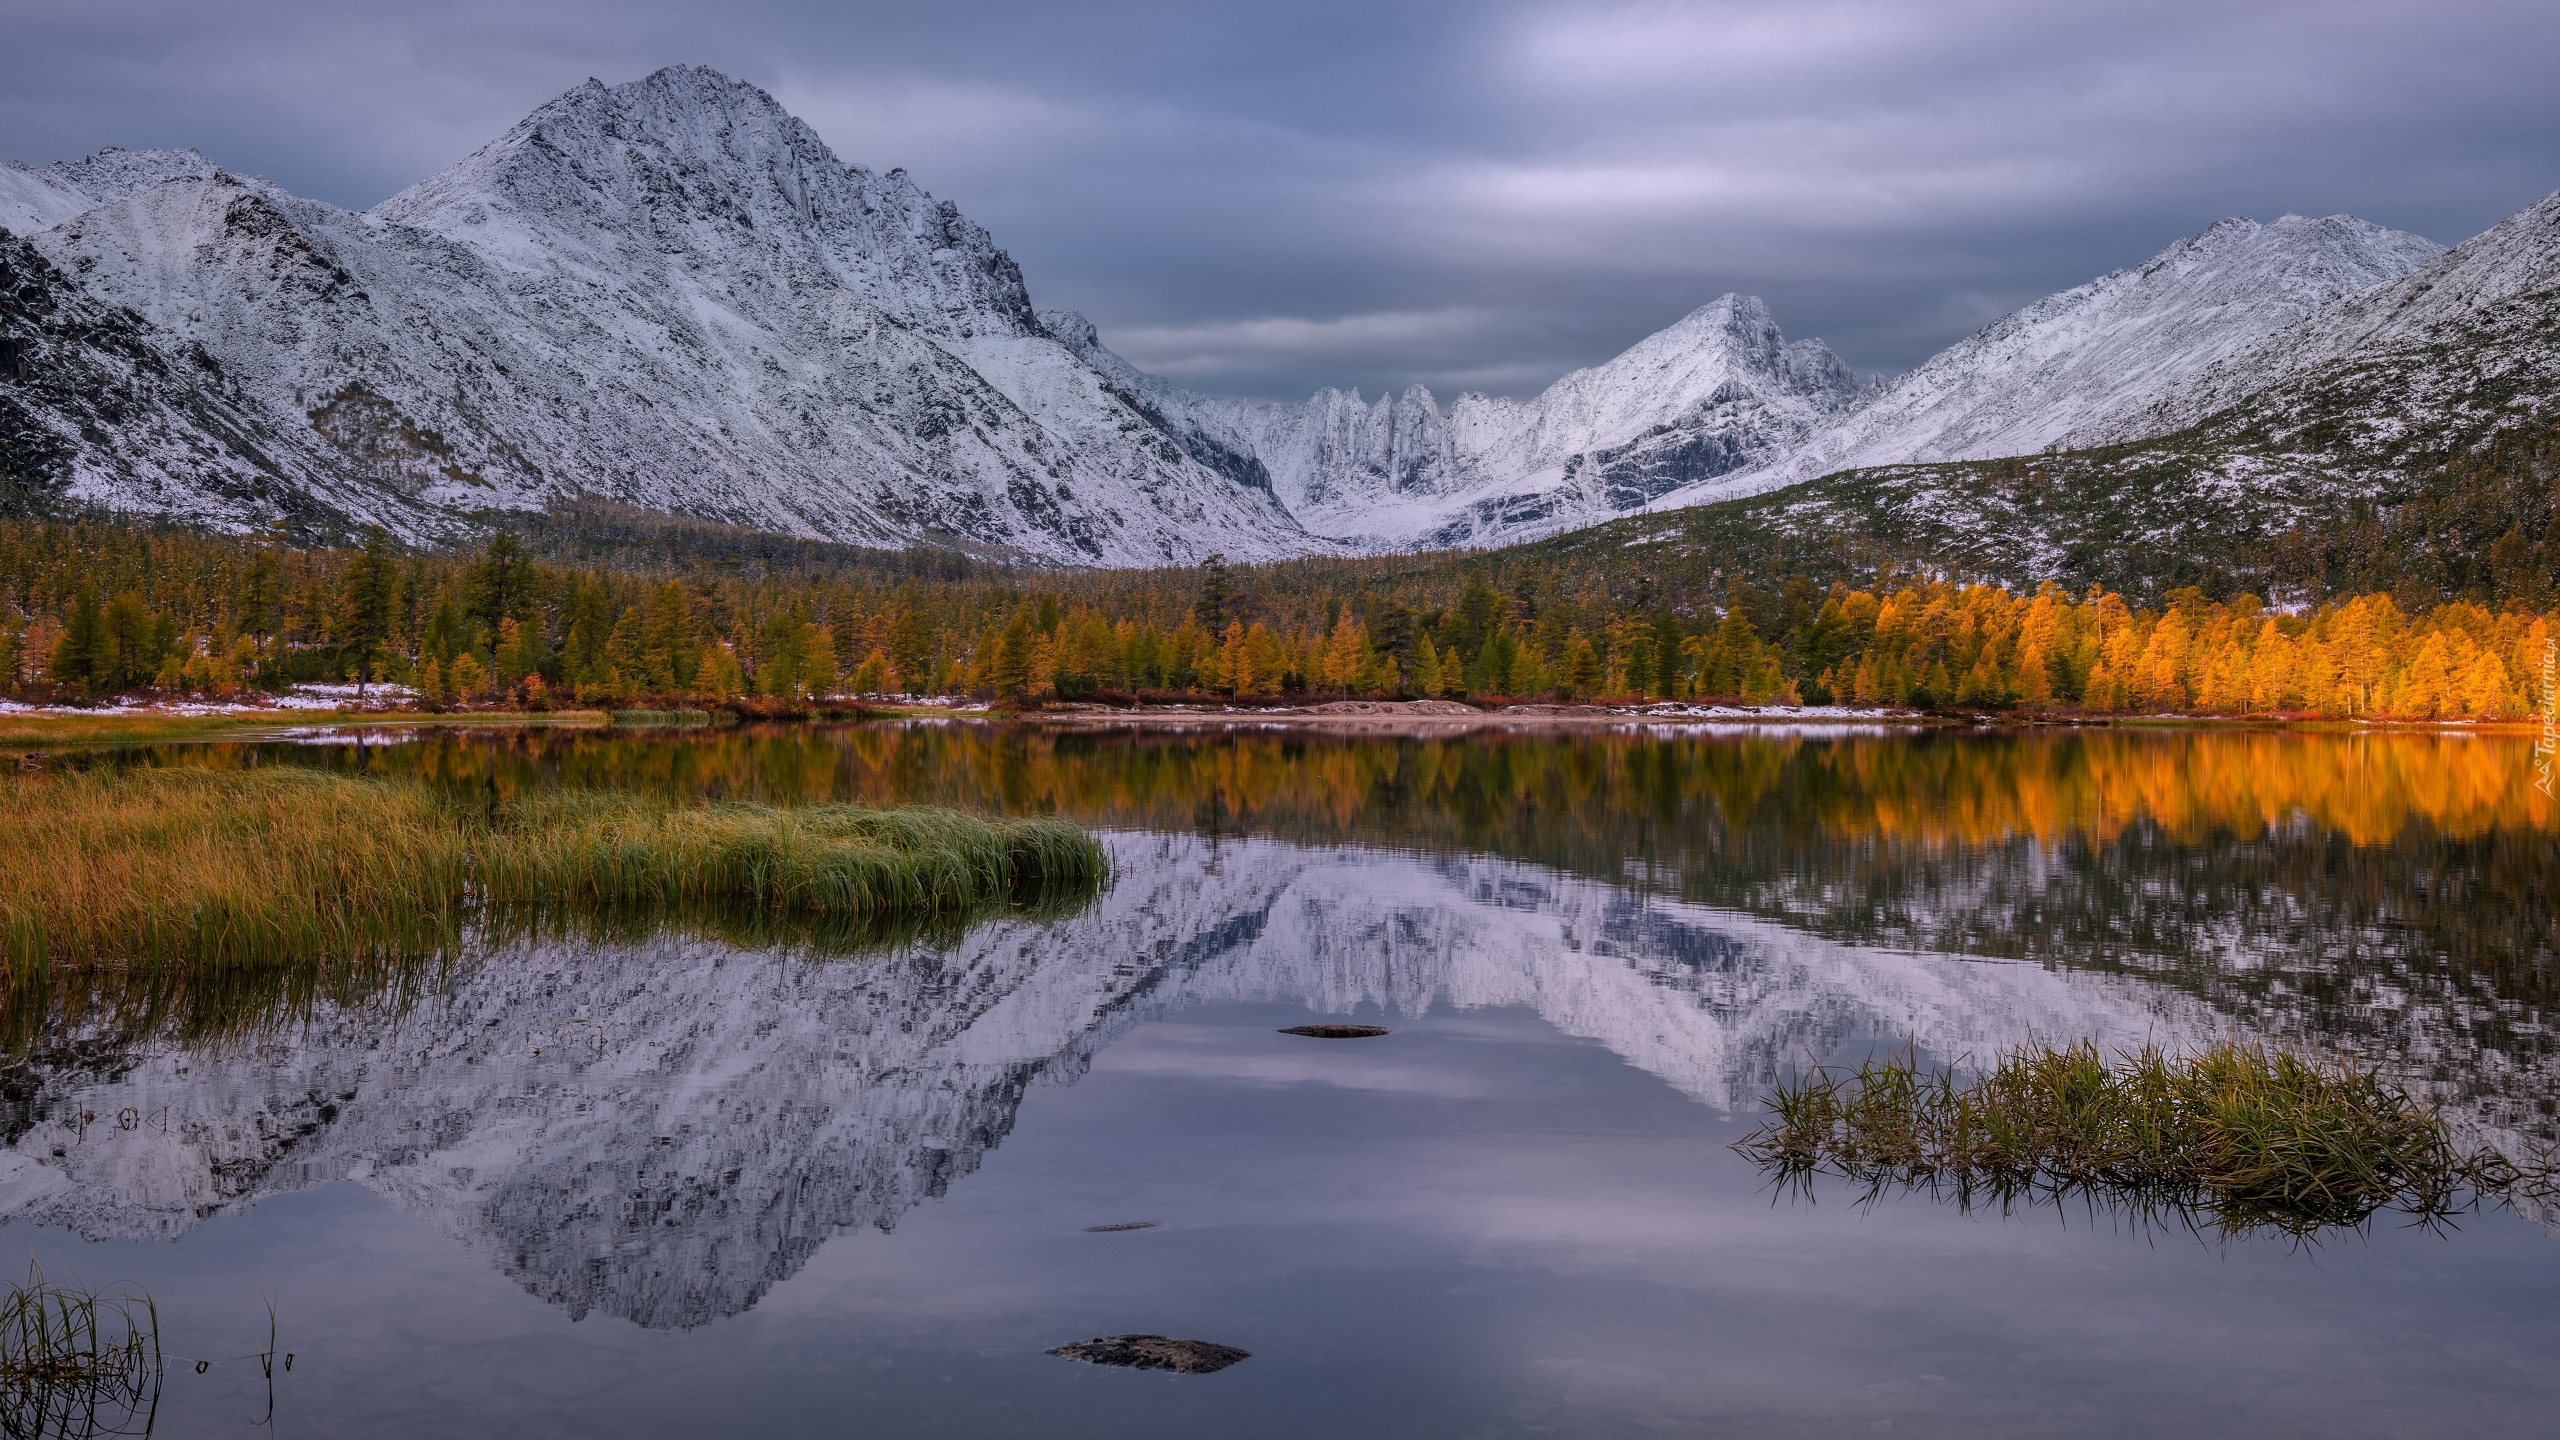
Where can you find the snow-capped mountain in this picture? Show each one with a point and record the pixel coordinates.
(1720, 391)
(2357, 406)
(33, 197)
(2446, 352)
(1720, 404)
(2070, 363)
(669, 293)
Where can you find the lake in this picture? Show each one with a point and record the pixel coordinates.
(665, 1184)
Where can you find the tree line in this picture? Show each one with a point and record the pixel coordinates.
(94, 608)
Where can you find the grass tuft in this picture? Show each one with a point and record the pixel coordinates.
(185, 868)
(2237, 1137)
(74, 1362)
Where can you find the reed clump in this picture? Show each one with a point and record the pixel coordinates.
(150, 867)
(75, 1362)
(2236, 1136)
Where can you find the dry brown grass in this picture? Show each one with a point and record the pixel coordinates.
(149, 867)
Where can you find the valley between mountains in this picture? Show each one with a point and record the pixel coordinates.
(671, 294)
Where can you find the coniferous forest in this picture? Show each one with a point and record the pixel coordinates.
(598, 606)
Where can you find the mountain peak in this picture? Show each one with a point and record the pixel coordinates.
(2054, 370)
(689, 167)
(33, 197)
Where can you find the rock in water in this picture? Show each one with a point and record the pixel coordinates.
(1153, 1352)
(1337, 1032)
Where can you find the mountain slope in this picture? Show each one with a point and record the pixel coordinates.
(34, 197)
(669, 293)
(2406, 438)
(2065, 365)
(1720, 390)
(2436, 361)
(1719, 404)
(99, 407)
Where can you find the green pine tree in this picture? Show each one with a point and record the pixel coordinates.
(79, 659)
(372, 600)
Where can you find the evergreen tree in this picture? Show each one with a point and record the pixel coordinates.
(911, 644)
(818, 672)
(1210, 609)
(372, 599)
(1665, 679)
(1581, 668)
(502, 584)
(1426, 670)
(255, 612)
(718, 676)
(446, 632)
(79, 661)
(1480, 612)
(590, 627)
(468, 677)
(1012, 673)
(626, 661)
(667, 642)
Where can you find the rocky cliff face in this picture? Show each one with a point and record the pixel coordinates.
(96, 401)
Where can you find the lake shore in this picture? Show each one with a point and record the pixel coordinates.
(1442, 717)
(26, 730)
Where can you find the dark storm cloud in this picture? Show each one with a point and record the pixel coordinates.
(1263, 198)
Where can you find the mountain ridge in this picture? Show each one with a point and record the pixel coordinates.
(672, 294)
(667, 293)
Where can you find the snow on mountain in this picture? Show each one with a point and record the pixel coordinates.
(669, 293)
(2447, 351)
(1720, 390)
(672, 294)
(96, 404)
(34, 197)
(2067, 364)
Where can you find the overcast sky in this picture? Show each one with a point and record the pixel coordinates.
(1262, 198)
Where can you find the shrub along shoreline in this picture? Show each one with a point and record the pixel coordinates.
(181, 868)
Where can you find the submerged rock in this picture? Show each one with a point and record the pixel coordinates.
(1337, 1032)
(1153, 1352)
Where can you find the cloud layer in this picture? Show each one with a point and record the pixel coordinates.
(1262, 198)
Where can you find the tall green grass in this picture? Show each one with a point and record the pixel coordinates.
(75, 1362)
(2237, 1137)
(183, 868)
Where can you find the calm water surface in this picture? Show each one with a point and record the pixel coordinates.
(669, 1186)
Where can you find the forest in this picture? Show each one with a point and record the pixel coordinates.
(99, 607)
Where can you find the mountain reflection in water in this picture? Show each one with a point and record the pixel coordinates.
(664, 1129)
